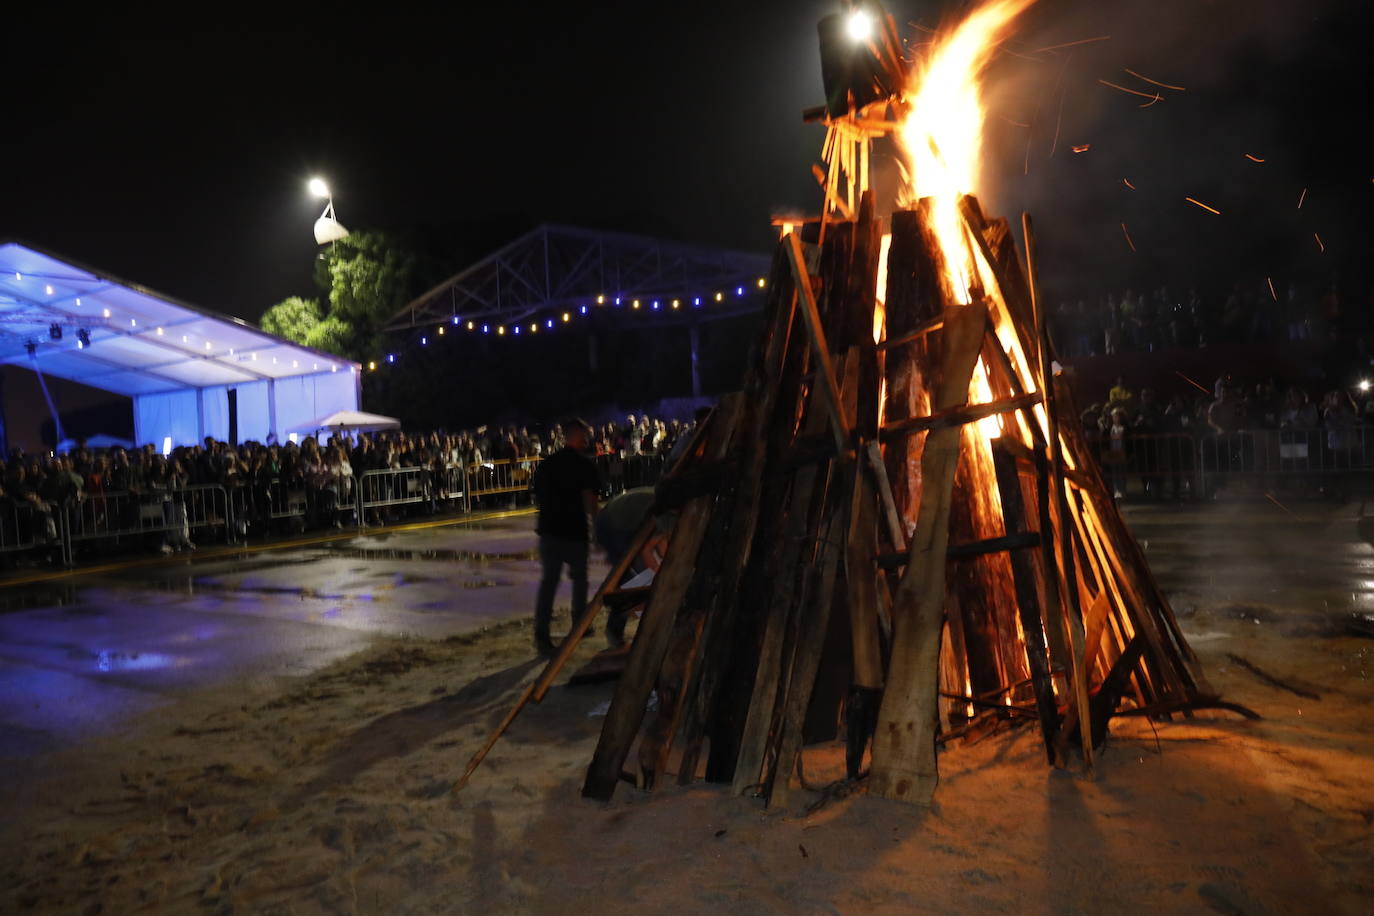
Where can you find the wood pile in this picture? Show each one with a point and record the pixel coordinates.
(892, 540)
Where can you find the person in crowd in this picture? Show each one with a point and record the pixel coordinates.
(566, 486)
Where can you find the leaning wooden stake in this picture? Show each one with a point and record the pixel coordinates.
(656, 626)
(904, 765)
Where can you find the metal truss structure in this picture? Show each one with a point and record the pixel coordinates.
(556, 268)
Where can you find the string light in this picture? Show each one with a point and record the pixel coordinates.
(761, 283)
(441, 330)
(600, 300)
(372, 367)
(635, 304)
(617, 300)
(424, 341)
(501, 329)
(566, 316)
(676, 303)
(720, 297)
(516, 329)
(583, 310)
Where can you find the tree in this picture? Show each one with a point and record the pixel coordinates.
(333, 335)
(293, 318)
(366, 278)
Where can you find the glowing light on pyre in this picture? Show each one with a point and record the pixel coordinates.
(941, 136)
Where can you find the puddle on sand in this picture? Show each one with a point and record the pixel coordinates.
(437, 554)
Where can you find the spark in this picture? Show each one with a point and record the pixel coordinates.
(1063, 91)
(1270, 281)
(1302, 197)
(1127, 183)
(1081, 148)
(1320, 246)
(1203, 206)
(1193, 383)
(1253, 158)
(1270, 497)
(1126, 232)
(1154, 82)
(1143, 95)
(1157, 98)
(1071, 44)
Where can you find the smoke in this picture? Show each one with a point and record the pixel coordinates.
(1105, 170)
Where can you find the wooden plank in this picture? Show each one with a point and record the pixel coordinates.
(825, 369)
(904, 766)
(958, 416)
(896, 534)
(655, 627)
(1027, 601)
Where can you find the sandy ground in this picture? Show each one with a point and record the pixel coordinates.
(330, 793)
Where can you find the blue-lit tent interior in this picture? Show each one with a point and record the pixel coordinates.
(182, 367)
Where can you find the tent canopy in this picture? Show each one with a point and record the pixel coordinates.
(355, 421)
(191, 373)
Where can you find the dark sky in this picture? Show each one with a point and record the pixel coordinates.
(172, 147)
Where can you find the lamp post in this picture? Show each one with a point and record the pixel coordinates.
(327, 228)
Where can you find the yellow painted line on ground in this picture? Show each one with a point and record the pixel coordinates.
(217, 553)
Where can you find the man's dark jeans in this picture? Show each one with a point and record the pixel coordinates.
(553, 554)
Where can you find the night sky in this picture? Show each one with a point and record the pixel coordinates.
(172, 148)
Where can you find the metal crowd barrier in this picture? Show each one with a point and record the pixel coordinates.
(125, 514)
(393, 487)
(500, 475)
(625, 472)
(1179, 465)
(24, 528)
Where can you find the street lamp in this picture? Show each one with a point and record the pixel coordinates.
(327, 228)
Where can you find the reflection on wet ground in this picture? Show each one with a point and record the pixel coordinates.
(83, 653)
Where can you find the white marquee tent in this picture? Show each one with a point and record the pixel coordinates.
(178, 363)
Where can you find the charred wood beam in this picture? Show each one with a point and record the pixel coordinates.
(934, 324)
(1021, 541)
(957, 416)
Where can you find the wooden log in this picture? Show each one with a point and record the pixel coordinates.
(813, 622)
(655, 627)
(721, 634)
(904, 765)
(1027, 601)
(695, 661)
(778, 583)
(958, 416)
(916, 293)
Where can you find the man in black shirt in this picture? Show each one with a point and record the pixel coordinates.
(565, 486)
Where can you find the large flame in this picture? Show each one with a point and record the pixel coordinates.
(941, 136)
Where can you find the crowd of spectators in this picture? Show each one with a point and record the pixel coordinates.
(1149, 321)
(278, 486)
(1231, 427)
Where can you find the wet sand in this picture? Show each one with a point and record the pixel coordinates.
(329, 792)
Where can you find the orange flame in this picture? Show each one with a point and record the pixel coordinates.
(941, 136)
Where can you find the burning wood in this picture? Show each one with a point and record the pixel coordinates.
(908, 541)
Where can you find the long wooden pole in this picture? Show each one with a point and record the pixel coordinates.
(904, 766)
(1071, 610)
